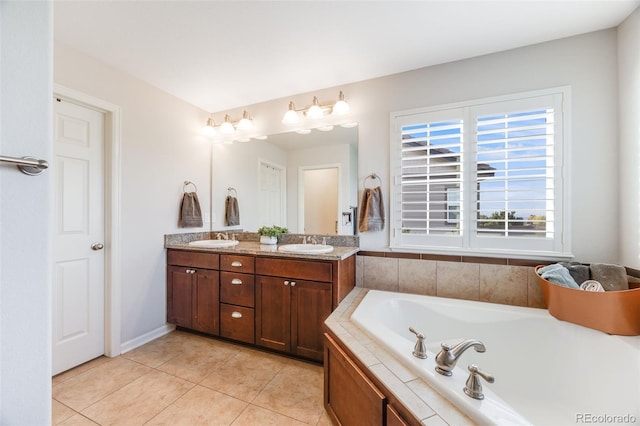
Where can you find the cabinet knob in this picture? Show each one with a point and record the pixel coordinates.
(236, 314)
(236, 264)
(293, 283)
(286, 283)
(236, 281)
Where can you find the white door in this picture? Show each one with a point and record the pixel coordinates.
(271, 195)
(78, 257)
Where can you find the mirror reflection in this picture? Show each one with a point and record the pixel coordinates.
(305, 182)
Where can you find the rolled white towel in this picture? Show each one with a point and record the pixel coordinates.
(591, 285)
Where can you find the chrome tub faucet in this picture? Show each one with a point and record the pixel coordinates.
(419, 350)
(448, 357)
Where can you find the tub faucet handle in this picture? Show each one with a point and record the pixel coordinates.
(473, 386)
(419, 350)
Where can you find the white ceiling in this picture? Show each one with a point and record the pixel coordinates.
(221, 55)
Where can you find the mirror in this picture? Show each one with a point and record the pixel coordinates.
(306, 182)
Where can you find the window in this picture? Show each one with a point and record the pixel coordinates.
(482, 177)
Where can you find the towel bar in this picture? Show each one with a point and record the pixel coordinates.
(187, 183)
(373, 177)
(27, 165)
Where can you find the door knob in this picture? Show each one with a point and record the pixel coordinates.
(97, 246)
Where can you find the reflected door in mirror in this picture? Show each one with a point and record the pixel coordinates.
(321, 201)
(272, 195)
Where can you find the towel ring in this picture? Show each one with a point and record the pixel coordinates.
(187, 183)
(373, 177)
(232, 191)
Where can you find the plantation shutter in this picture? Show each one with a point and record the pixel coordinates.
(515, 192)
(485, 177)
(430, 205)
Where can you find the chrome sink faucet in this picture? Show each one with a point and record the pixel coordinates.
(448, 357)
(220, 236)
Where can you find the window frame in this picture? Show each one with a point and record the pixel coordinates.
(558, 247)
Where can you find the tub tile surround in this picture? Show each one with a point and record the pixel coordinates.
(417, 396)
(494, 282)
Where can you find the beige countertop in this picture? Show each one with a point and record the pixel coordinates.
(257, 249)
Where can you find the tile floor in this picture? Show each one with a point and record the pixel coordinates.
(186, 379)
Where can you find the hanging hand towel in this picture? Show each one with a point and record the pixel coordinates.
(231, 211)
(190, 213)
(372, 210)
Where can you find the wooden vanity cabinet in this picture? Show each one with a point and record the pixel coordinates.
(290, 307)
(352, 397)
(193, 291)
(237, 297)
(274, 302)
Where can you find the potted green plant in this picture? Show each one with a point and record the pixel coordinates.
(270, 234)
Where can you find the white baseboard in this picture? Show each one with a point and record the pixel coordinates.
(146, 338)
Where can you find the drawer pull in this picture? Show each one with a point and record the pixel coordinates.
(236, 281)
(236, 264)
(236, 314)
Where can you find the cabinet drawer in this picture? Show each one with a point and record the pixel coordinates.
(299, 269)
(194, 259)
(237, 263)
(237, 323)
(237, 289)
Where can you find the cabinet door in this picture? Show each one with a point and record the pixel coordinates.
(179, 296)
(394, 418)
(349, 396)
(206, 299)
(310, 306)
(273, 313)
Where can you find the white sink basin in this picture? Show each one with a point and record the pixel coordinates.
(306, 248)
(214, 243)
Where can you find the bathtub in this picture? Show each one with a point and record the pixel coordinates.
(547, 372)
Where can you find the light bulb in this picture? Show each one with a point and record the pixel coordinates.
(209, 130)
(291, 116)
(227, 127)
(325, 128)
(315, 112)
(245, 122)
(341, 107)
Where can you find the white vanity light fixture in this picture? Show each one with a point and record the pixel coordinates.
(229, 126)
(341, 107)
(303, 131)
(245, 123)
(316, 111)
(291, 116)
(226, 127)
(209, 130)
(325, 128)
